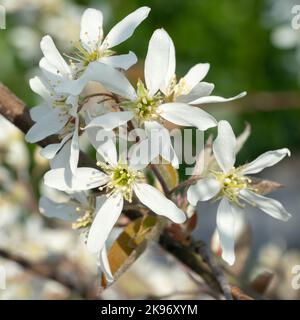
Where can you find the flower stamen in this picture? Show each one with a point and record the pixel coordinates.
(122, 179)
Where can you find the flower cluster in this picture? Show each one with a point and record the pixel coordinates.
(71, 109)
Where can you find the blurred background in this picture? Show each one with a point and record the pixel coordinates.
(251, 46)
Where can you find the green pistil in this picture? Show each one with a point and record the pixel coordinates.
(145, 107)
(232, 183)
(84, 56)
(122, 179)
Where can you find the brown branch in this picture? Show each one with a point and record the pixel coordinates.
(189, 257)
(184, 184)
(161, 180)
(216, 270)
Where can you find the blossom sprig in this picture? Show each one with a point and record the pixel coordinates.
(70, 112)
(232, 187)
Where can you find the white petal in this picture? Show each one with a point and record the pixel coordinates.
(65, 211)
(85, 179)
(91, 32)
(185, 115)
(104, 265)
(122, 61)
(74, 151)
(201, 89)
(171, 65)
(38, 112)
(158, 203)
(46, 126)
(39, 86)
(226, 217)
(50, 151)
(203, 190)
(158, 142)
(62, 158)
(125, 28)
(51, 74)
(140, 155)
(80, 197)
(104, 143)
(53, 56)
(217, 99)
(196, 74)
(159, 62)
(272, 207)
(110, 78)
(104, 221)
(267, 159)
(224, 146)
(112, 120)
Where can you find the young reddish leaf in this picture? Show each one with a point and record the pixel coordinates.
(265, 186)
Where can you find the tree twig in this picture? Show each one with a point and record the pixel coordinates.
(161, 180)
(184, 184)
(42, 269)
(202, 248)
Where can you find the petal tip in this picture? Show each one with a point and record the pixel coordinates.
(229, 258)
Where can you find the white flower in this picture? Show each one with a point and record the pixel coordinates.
(160, 75)
(150, 103)
(80, 210)
(56, 115)
(233, 187)
(60, 112)
(92, 47)
(62, 79)
(164, 99)
(121, 180)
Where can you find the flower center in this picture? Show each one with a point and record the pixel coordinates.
(81, 57)
(145, 106)
(122, 179)
(232, 183)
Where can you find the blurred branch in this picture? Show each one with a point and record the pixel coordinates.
(16, 111)
(44, 270)
(262, 101)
